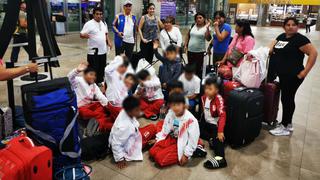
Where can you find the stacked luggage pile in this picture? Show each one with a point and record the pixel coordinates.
(248, 106)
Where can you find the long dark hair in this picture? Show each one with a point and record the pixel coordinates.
(246, 27)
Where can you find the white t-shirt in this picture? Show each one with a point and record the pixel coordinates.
(175, 35)
(190, 87)
(97, 32)
(207, 113)
(128, 35)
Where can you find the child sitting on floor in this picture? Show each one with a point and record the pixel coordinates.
(117, 90)
(212, 126)
(179, 136)
(126, 138)
(151, 97)
(171, 67)
(191, 84)
(91, 101)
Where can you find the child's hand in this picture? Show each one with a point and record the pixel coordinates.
(155, 44)
(221, 137)
(184, 160)
(121, 164)
(82, 66)
(152, 142)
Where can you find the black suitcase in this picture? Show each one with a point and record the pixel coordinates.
(244, 116)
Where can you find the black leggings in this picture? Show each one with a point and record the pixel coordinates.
(147, 51)
(288, 86)
(209, 132)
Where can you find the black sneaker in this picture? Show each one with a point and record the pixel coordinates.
(199, 152)
(213, 163)
(154, 117)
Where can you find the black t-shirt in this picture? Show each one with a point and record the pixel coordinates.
(287, 58)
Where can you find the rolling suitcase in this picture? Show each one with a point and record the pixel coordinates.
(244, 116)
(50, 110)
(20, 159)
(271, 91)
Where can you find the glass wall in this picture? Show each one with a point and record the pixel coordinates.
(3, 4)
(73, 18)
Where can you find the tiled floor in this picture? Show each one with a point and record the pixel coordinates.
(295, 157)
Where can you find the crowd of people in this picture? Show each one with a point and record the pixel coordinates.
(116, 96)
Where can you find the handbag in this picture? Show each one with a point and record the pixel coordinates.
(235, 55)
(76, 172)
(249, 74)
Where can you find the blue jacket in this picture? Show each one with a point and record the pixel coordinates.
(170, 70)
(120, 26)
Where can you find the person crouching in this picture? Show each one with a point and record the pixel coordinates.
(178, 139)
(213, 123)
(150, 93)
(126, 138)
(91, 102)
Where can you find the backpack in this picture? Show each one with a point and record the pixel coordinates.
(50, 110)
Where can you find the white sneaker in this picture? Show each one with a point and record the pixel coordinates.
(280, 131)
(290, 127)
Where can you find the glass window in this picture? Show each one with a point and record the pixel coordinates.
(2, 11)
(73, 15)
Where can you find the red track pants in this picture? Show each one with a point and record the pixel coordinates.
(96, 111)
(165, 152)
(151, 107)
(148, 133)
(113, 112)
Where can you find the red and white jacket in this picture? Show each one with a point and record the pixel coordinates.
(217, 112)
(86, 93)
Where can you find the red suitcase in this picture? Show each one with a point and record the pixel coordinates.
(22, 160)
(228, 86)
(271, 93)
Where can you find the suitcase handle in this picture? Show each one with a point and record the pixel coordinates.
(27, 142)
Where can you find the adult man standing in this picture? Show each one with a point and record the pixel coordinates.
(124, 26)
(96, 31)
(20, 34)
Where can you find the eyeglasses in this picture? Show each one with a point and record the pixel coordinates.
(128, 5)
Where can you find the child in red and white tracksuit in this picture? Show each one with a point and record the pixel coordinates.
(213, 123)
(116, 91)
(178, 139)
(150, 93)
(126, 138)
(91, 101)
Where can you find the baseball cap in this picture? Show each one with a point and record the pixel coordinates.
(127, 2)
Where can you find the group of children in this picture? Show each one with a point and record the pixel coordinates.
(172, 140)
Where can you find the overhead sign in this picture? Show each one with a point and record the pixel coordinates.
(297, 2)
(168, 8)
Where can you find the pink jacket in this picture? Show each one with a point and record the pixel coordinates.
(243, 44)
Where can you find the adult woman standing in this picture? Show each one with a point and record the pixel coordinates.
(243, 42)
(148, 29)
(196, 41)
(221, 37)
(170, 34)
(286, 62)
